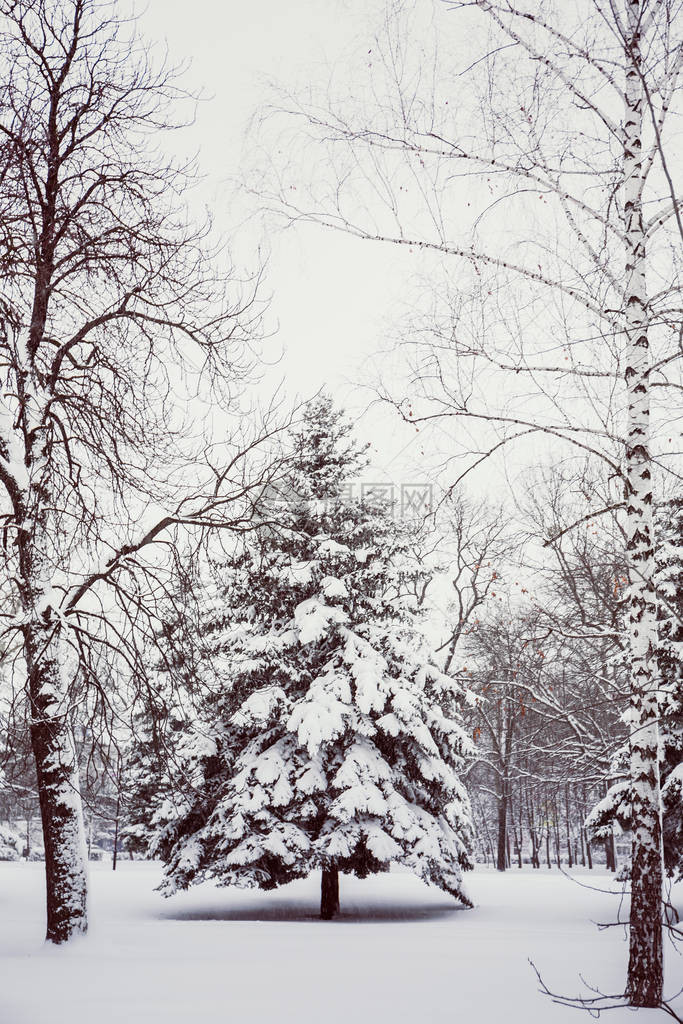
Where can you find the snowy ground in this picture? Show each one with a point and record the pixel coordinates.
(399, 952)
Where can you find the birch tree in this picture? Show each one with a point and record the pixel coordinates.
(538, 156)
(114, 312)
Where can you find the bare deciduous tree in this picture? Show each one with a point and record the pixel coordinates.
(114, 312)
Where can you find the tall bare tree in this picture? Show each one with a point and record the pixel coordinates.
(114, 313)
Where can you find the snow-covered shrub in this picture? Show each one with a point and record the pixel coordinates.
(11, 843)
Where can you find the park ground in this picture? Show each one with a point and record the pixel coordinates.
(399, 952)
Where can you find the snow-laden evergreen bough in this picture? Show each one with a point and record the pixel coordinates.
(333, 739)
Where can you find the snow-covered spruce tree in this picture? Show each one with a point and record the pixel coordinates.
(334, 740)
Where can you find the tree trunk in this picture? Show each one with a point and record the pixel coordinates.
(517, 833)
(54, 750)
(556, 829)
(502, 832)
(51, 705)
(570, 858)
(535, 861)
(609, 854)
(116, 819)
(329, 893)
(645, 969)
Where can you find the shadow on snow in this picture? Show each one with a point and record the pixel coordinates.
(293, 910)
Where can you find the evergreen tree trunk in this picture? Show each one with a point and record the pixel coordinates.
(329, 893)
(645, 969)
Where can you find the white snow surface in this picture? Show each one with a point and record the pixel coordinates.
(400, 952)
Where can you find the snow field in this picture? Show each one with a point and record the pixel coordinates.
(400, 952)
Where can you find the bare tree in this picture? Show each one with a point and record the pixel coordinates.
(458, 550)
(548, 667)
(114, 313)
(502, 656)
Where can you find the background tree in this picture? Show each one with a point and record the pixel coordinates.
(182, 675)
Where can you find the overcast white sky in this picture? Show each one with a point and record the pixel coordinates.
(332, 296)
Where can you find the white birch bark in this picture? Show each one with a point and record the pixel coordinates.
(645, 972)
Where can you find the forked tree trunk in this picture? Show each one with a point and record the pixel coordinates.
(58, 787)
(329, 893)
(645, 969)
